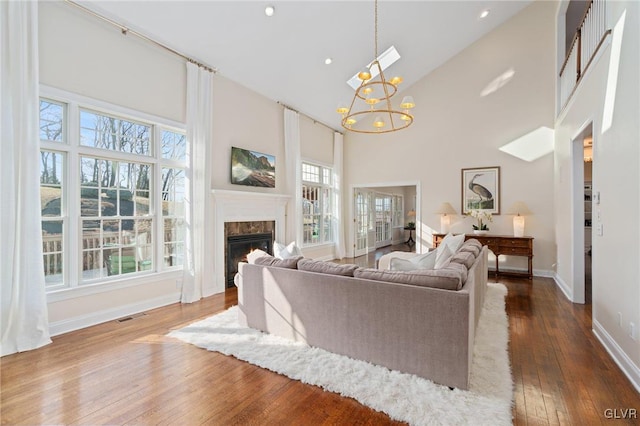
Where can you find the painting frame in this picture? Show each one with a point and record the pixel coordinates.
(252, 168)
(485, 181)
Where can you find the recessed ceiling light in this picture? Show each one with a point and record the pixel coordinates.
(484, 14)
(269, 10)
(328, 61)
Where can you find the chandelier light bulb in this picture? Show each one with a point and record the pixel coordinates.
(350, 121)
(367, 90)
(407, 102)
(396, 80)
(269, 10)
(405, 117)
(364, 74)
(342, 109)
(378, 123)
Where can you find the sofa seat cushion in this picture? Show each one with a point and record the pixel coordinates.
(447, 279)
(330, 268)
(290, 263)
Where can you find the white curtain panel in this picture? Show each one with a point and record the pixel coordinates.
(337, 195)
(294, 175)
(198, 182)
(24, 317)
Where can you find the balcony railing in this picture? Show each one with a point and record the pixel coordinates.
(52, 250)
(589, 36)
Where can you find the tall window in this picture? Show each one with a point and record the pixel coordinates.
(316, 204)
(112, 192)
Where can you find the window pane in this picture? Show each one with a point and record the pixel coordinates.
(173, 242)
(111, 133)
(52, 252)
(51, 183)
(174, 145)
(51, 121)
(310, 173)
(173, 189)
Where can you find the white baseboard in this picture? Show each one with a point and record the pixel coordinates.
(619, 356)
(83, 321)
(568, 291)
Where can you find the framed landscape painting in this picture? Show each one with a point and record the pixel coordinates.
(252, 168)
(481, 190)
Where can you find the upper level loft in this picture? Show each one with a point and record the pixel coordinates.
(586, 22)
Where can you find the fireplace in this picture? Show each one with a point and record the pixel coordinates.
(242, 213)
(239, 246)
(241, 239)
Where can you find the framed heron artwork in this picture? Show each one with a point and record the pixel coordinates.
(481, 190)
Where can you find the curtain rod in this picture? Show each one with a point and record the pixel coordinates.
(309, 117)
(125, 31)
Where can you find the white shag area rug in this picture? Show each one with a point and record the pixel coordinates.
(403, 397)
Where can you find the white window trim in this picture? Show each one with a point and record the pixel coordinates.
(71, 195)
(322, 185)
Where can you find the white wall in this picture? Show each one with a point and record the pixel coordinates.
(616, 175)
(456, 128)
(83, 55)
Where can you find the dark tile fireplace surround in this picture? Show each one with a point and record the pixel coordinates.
(243, 237)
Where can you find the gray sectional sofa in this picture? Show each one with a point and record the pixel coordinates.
(420, 322)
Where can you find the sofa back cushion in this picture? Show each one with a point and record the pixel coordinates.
(330, 268)
(290, 263)
(464, 258)
(448, 278)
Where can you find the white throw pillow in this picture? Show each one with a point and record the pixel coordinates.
(443, 257)
(280, 251)
(426, 260)
(453, 242)
(251, 257)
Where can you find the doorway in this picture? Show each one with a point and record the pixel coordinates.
(379, 216)
(584, 222)
(588, 213)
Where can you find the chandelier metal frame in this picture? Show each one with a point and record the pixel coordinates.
(398, 119)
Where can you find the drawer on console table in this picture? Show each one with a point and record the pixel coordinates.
(516, 251)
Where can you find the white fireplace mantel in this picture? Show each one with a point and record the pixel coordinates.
(243, 206)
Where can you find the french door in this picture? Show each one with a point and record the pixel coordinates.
(384, 220)
(361, 222)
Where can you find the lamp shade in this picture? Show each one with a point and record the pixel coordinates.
(446, 208)
(519, 208)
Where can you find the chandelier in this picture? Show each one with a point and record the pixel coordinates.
(370, 110)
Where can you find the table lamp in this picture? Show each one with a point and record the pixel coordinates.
(445, 211)
(520, 210)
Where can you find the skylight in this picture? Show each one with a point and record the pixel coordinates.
(386, 59)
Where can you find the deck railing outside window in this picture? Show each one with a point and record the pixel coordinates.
(589, 37)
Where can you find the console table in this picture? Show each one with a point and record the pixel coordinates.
(501, 244)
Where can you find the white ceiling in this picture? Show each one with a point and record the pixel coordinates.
(282, 57)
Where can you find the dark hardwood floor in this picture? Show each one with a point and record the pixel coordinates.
(130, 372)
